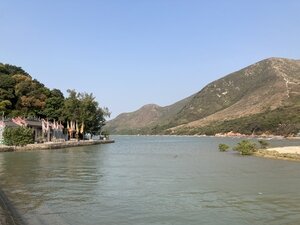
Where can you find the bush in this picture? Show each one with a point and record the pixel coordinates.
(263, 144)
(245, 147)
(223, 147)
(18, 136)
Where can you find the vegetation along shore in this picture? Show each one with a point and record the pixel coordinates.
(263, 149)
(34, 117)
(31, 113)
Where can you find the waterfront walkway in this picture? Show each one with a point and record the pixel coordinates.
(53, 145)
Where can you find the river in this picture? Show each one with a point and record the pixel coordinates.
(152, 180)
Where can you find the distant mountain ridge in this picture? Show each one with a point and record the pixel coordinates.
(261, 87)
(146, 117)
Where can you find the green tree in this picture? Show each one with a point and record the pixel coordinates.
(6, 81)
(223, 147)
(71, 108)
(245, 147)
(11, 69)
(91, 114)
(83, 108)
(22, 95)
(4, 104)
(18, 136)
(54, 105)
(31, 95)
(7, 96)
(3, 70)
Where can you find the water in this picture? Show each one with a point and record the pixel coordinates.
(152, 180)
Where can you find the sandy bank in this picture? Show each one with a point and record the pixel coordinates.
(289, 149)
(53, 145)
(285, 153)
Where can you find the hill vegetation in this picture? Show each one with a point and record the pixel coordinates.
(21, 95)
(146, 118)
(261, 98)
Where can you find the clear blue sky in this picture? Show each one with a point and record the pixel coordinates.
(133, 52)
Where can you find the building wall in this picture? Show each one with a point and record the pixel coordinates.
(1, 132)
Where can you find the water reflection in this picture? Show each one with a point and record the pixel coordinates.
(51, 177)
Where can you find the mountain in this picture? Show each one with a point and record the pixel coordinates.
(145, 118)
(258, 89)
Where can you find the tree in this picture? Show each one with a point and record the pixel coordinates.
(18, 136)
(223, 147)
(3, 70)
(6, 81)
(11, 69)
(54, 105)
(83, 108)
(20, 95)
(91, 114)
(245, 147)
(71, 106)
(4, 104)
(31, 96)
(7, 96)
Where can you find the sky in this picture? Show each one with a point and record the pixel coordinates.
(129, 53)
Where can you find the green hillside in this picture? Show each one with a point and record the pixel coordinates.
(283, 121)
(21, 95)
(270, 87)
(143, 120)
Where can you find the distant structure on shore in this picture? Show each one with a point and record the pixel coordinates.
(43, 130)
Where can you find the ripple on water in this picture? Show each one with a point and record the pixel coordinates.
(151, 180)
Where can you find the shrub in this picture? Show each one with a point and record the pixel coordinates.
(263, 144)
(223, 147)
(18, 136)
(245, 147)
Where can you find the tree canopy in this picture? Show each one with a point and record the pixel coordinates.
(20, 95)
(83, 108)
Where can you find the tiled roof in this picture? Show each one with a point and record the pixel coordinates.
(10, 123)
(34, 123)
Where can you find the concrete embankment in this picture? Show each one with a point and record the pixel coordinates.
(53, 145)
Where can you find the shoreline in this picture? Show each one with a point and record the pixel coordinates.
(8, 214)
(53, 145)
(291, 153)
(267, 137)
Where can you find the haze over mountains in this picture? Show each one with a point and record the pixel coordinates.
(267, 91)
